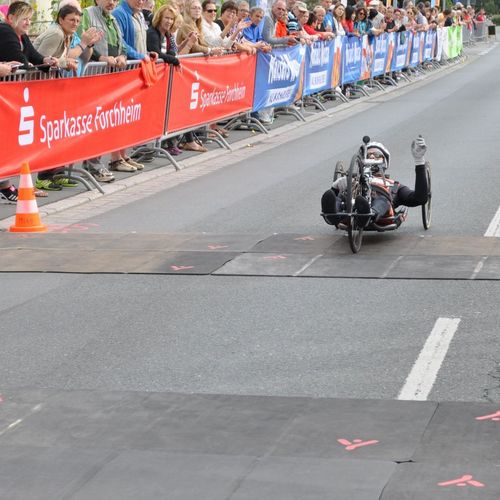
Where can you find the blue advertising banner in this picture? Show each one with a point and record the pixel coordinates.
(318, 67)
(279, 77)
(415, 50)
(380, 45)
(391, 48)
(430, 43)
(401, 51)
(351, 59)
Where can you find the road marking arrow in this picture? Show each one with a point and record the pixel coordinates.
(494, 416)
(465, 480)
(356, 443)
(217, 247)
(181, 268)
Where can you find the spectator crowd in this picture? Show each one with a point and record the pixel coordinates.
(113, 31)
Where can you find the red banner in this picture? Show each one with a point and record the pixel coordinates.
(208, 89)
(49, 123)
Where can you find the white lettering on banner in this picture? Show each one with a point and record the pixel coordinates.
(320, 55)
(352, 54)
(283, 69)
(215, 97)
(103, 119)
(26, 122)
(276, 96)
(195, 90)
(381, 45)
(400, 60)
(379, 65)
(318, 80)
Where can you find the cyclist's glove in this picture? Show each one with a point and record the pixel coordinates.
(340, 184)
(418, 150)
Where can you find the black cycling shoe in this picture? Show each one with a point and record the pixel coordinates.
(362, 207)
(329, 202)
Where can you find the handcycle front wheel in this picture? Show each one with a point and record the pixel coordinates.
(427, 206)
(354, 232)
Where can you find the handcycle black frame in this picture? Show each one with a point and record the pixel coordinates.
(358, 179)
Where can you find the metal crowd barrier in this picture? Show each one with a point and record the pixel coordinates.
(102, 68)
(23, 75)
(467, 35)
(480, 32)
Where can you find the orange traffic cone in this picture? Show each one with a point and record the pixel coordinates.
(27, 216)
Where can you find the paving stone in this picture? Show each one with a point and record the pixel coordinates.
(431, 481)
(469, 433)
(351, 266)
(296, 243)
(185, 263)
(221, 242)
(265, 264)
(435, 267)
(386, 430)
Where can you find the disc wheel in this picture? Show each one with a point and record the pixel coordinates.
(354, 232)
(427, 207)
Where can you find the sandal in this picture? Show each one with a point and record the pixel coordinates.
(40, 193)
(222, 131)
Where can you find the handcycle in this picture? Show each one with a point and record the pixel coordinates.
(359, 183)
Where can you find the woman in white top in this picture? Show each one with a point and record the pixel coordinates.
(212, 32)
(338, 18)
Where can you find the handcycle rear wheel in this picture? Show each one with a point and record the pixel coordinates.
(427, 207)
(354, 232)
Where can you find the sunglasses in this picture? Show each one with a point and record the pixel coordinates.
(211, 11)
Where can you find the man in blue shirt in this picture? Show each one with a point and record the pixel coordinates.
(253, 33)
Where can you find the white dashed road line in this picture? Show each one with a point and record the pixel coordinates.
(494, 227)
(421, 379)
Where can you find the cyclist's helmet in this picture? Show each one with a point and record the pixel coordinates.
(376, 150)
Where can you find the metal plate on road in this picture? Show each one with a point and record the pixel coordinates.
(98, 444)
(265, 264)
(306, 255)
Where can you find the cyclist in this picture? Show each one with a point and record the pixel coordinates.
(387, 194)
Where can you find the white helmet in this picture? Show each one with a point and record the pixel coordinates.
(380, 151)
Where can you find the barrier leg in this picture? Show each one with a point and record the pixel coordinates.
(288, 110)
(246, 122)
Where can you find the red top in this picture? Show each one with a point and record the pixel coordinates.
(348, 25)
(311, 31)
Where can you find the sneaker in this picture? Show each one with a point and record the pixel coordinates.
(138, 166)
(102, 175)
(47, 185)
(9, 194)
(121, 166)
(66, 182)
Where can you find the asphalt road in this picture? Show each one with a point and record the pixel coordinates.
(278, 336)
